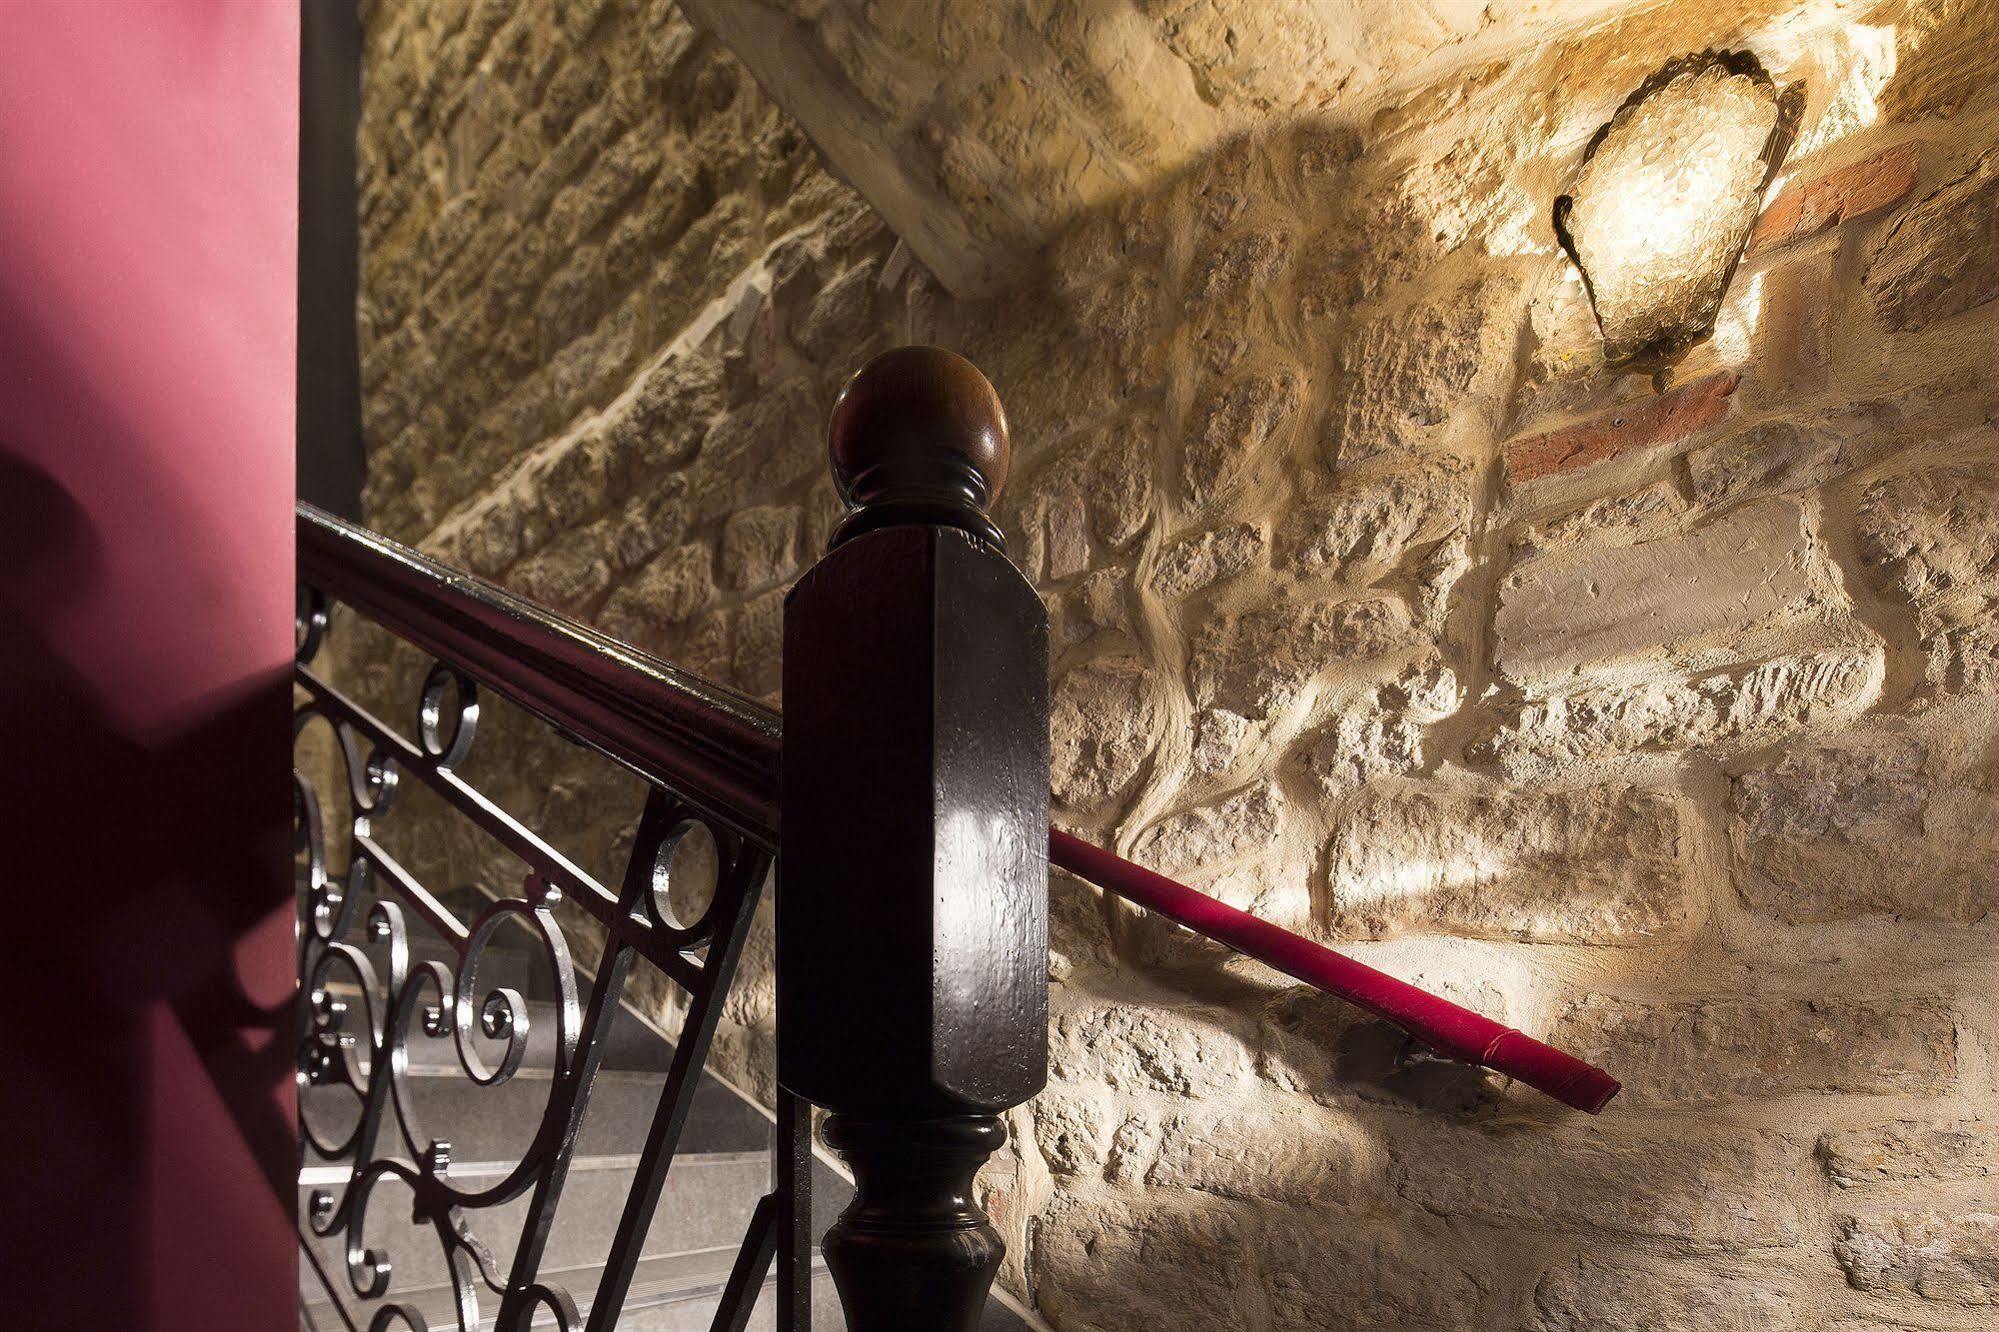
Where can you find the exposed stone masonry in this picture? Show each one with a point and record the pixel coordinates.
(1662, 726)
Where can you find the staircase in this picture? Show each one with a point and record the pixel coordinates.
(904, 792)
(907, 800)
(722, 1167)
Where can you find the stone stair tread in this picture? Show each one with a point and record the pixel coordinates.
(707, 1200)
(465, 1171)
(628, 1045)
(490, 1122)
(695, 1276)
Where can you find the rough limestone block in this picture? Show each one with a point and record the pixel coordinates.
(1096, 1266)
(1736, 1049)
(1906, 1150)
(1388, 1277)
(1280, 1153)
(1779, 697)
(1247, 822)
(1257, 663)
(1239, 263)
(1871, 823)
(1957, 65)
(760, 546)
(1201, 561)
(1072, 1130)
(1589, 607)
(1403, 375)
(1186, 1052)
(1943, 1256)
(1363, 743)
(1771, 457)
(1724, 1192)
(1587, 1294)
(1931, 537)
(1235, 426)
(568, 576)
(757, 661)
(1936, 530)
(1941, 257)
(1097, 603)
(671, 589)
(1599, 865)
(1103, 724)
(1369, 523)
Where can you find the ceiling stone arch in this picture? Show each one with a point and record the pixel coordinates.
(980, 129)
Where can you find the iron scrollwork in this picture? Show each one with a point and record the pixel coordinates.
(367, 997)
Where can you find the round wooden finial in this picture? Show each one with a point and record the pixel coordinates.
(918, 436)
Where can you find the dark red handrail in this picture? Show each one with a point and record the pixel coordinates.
(1445, 1027)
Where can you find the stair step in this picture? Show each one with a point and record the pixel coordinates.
(519, 968)
(513, 958)
(677, 1292)
(706, 1202)
(497, 1123)
(628, 1043)
(720, 1172)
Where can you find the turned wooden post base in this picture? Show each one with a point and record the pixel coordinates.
(913, 1252)
(912, 901)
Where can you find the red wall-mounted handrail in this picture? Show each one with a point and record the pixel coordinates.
(1450, 1030)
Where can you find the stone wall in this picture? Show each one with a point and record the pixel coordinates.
(1661, 725)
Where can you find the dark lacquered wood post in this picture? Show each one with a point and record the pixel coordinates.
(912, 918)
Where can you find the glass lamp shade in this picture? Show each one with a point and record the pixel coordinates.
(1668, 193)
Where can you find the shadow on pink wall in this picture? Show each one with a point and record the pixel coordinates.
(147, 271)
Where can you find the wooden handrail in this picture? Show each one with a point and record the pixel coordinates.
(714, 747)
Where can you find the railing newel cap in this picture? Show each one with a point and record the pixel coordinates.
(918, 435)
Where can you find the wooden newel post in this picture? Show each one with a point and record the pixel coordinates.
(912, 918)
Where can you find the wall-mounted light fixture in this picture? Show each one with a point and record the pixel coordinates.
(1668, 193)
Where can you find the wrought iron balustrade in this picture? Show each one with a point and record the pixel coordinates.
(365, 1007)
(911, 907)
(919, 447)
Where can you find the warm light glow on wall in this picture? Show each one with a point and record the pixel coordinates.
(1668, 192)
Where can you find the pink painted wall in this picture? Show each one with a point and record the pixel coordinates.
(147, 271)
